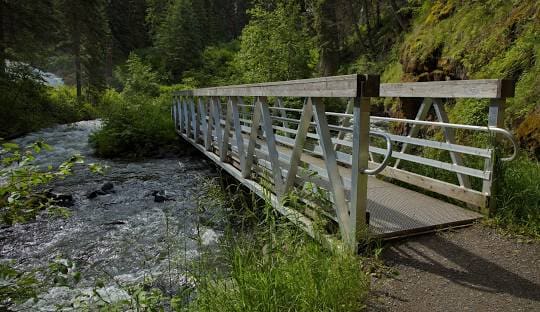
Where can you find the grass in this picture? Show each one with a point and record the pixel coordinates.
(285, 271)
(518, 200)
(274, 266)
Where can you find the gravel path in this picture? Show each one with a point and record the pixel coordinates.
(470, 269)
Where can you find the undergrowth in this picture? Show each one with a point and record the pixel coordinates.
(138, 121)
(274, 266)
(28, 104)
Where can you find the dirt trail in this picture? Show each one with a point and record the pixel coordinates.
(470, 269)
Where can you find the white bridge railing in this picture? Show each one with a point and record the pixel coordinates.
(315, 134)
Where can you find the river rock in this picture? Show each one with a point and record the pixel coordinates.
(161, 196)
(107, 188)
(60, 199)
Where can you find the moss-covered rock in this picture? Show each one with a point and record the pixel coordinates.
(528, 133)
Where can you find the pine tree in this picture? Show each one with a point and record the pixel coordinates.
(85, 23)
(179, 39)
(27, 28)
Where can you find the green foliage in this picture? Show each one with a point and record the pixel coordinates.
(453, 36)
(22, 195)
(518, 199)
(179, 39)
(274, 45)
(16, 287)
(138, 78)
(135, 127)
(217, 67)
(32, 105)
(286, 271)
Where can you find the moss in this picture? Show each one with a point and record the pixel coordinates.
(528, 133)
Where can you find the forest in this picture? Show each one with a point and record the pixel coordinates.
(119, 62)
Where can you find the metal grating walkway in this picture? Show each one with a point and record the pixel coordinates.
(396, 211)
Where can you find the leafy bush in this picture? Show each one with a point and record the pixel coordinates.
(138, 78)
(136, 122)
(274, 46)
(22, 194)
(136, 126)
(32, 105)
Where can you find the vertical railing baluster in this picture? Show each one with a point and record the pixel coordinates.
(336, 184)
(194, 119)
(301, 134)
(489, 187)
(238, 131)
(360, 156)
(271, 145)
(208, 111)
(226, 133)
(180, 114)
(255, 123)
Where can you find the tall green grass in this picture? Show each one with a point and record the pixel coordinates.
(274, 266)
(285, 271)
(518, 198)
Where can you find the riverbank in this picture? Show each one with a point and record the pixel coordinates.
(127, 235)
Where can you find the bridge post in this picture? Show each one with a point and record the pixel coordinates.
(495, 119)
(368, 86)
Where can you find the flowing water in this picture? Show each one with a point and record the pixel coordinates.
(118, 238)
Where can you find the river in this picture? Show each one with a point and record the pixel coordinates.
(119, 238)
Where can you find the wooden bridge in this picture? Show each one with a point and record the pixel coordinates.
(316, 139)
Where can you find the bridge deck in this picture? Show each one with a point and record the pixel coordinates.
(394, 211)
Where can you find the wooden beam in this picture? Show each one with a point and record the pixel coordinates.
(271, 145)
(479, 89)
(337, 86)
(256, 117)
(449, 136)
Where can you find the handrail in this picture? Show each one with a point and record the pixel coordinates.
(387, 156)
(510, 137)
(502, 131)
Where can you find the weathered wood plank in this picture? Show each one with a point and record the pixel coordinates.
(469, 196)
(449, 135)
(337, 86)
(256, 117)
(479, 89)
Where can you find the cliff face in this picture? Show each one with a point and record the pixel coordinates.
(468, 39)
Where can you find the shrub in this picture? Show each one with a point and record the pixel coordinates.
(32, 105)
(22, 194)
(136, 126)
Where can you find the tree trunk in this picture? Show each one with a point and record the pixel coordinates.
(366, 15)
(398, 17)
(3, 44)
(378, 12)
(328, 37)
(77, 56)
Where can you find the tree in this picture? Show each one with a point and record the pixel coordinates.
(85, 23)
(179, 39)
(325, 25)
(27, 28)
(274, 45)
